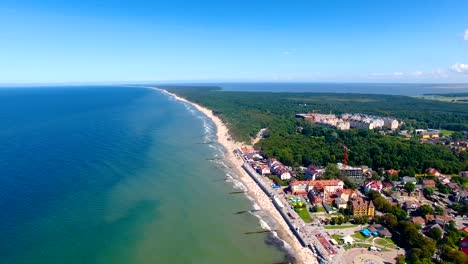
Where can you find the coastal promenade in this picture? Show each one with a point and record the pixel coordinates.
(307, 235)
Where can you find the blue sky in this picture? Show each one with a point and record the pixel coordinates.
(289, 40)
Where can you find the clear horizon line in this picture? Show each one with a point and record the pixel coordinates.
(217, 82)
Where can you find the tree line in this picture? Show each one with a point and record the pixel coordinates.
(296, 142)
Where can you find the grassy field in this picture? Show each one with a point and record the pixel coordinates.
(359, 236)
(339, 226)
(302, 212)
(386, 242)
(363, 245)
(319, 209)
(338, 238)
(446, 132)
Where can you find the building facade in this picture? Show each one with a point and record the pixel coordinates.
(362, 207)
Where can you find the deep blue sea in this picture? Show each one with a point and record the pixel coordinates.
(118, 175)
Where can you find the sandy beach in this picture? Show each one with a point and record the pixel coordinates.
(303, 255)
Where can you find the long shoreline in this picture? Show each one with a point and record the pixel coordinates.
(302, 254)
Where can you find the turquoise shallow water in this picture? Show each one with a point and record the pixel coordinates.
(117, 175)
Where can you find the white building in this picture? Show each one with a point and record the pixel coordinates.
(391, 123)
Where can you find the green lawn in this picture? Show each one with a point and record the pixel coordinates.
(359, 236)
(446, 133)
(319, 209)
(386, 242)
(302, 212)
(363, 245)
(339, 226)
(338, 238)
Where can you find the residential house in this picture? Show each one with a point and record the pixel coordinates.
(340, 203)
(263, 169)
(387, 187)
(397, 184)
(283, 173)
(453, 186)
(438, 219)
(331, 186)
(327, 187)
(398, 199)
(461, 196)
(391, 123)
(373, 186)
(392, 172)
(272, 162)
(411, 206)
(245, 150)
(433, 171)
(443, 179)
(363, 207)
(464, 245)
(380, 230)
(279, 169)
(418, 220)
(443, 219)
(313, 172)
(299, 187)
(346, 194)
(429, 184)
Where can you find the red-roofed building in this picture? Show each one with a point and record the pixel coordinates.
(429, 184)
(443, 179)
(245, 150)
(430, 218)
(392, 172)
(346, 194)
(373, 186)
(433, 172)
(418, 221)
(464, 245)
(328, 187)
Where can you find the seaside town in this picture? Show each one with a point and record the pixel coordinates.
(346, 213)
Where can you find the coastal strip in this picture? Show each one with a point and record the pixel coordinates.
(302, 254)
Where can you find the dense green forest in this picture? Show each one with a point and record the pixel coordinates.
(296, 142)
(317, 145)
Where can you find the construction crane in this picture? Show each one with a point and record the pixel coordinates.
(346, 149)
